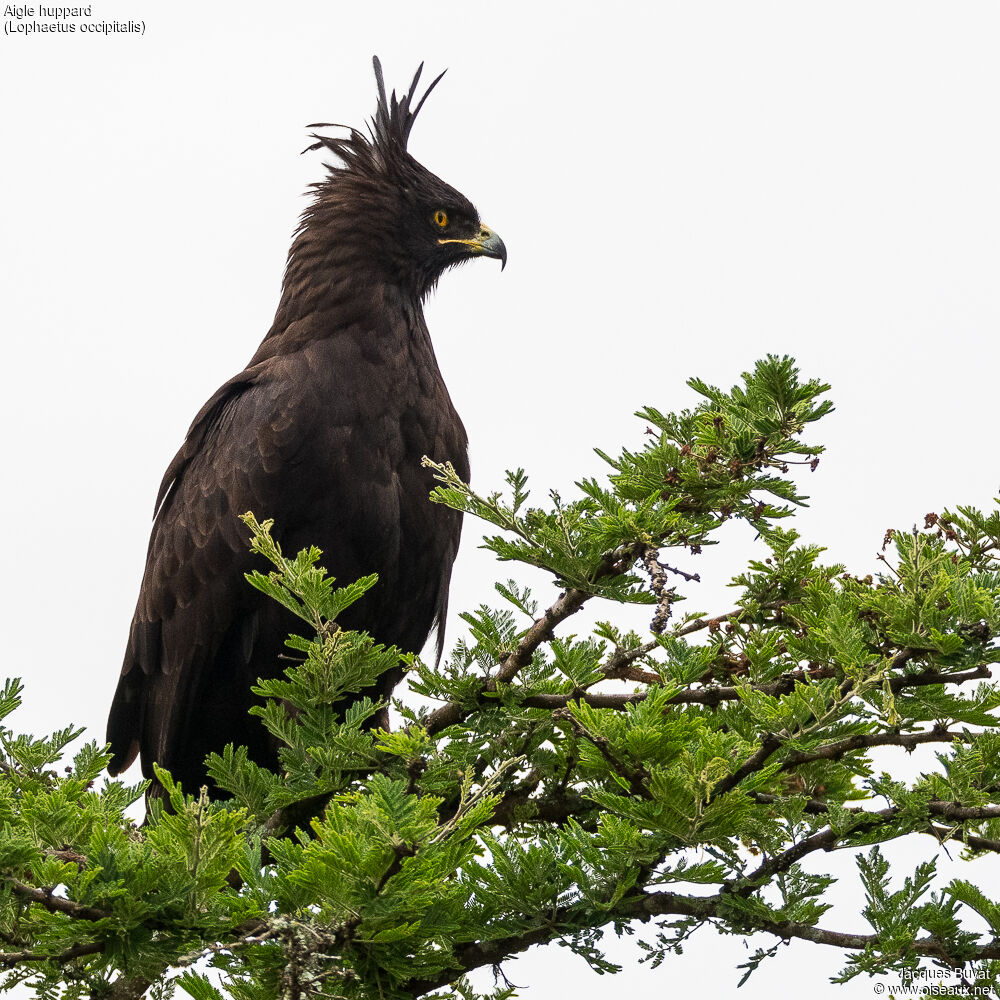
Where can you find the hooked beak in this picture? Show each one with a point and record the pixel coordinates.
(485, 244)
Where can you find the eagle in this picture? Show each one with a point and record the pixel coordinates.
(323, 431)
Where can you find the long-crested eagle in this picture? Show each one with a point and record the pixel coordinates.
(323, 431)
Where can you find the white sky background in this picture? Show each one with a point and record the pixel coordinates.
(681, 187)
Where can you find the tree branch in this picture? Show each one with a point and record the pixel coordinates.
(55, 904)
(666, 903)
(768, 744)
(568, 603)
(833, 751)
(130, 987)
(11, 958)
(647, 906)
(713, 695)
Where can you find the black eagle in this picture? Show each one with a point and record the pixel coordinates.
(323, 431)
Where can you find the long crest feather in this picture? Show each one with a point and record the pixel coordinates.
(388, 131)
(393, 118)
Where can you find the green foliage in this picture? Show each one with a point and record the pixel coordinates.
(547, 784)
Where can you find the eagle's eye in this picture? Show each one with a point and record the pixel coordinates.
(441, 219)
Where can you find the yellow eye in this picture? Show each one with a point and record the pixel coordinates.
(440, 219)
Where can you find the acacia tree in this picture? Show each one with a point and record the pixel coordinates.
(558, 783)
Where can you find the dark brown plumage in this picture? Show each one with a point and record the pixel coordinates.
(322, 431)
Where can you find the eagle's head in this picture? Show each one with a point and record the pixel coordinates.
(384, 212)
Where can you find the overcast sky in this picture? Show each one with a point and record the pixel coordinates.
(682, 188)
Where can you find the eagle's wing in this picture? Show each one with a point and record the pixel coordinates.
(189, 619)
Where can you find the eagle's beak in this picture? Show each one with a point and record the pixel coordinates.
(485, 244)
